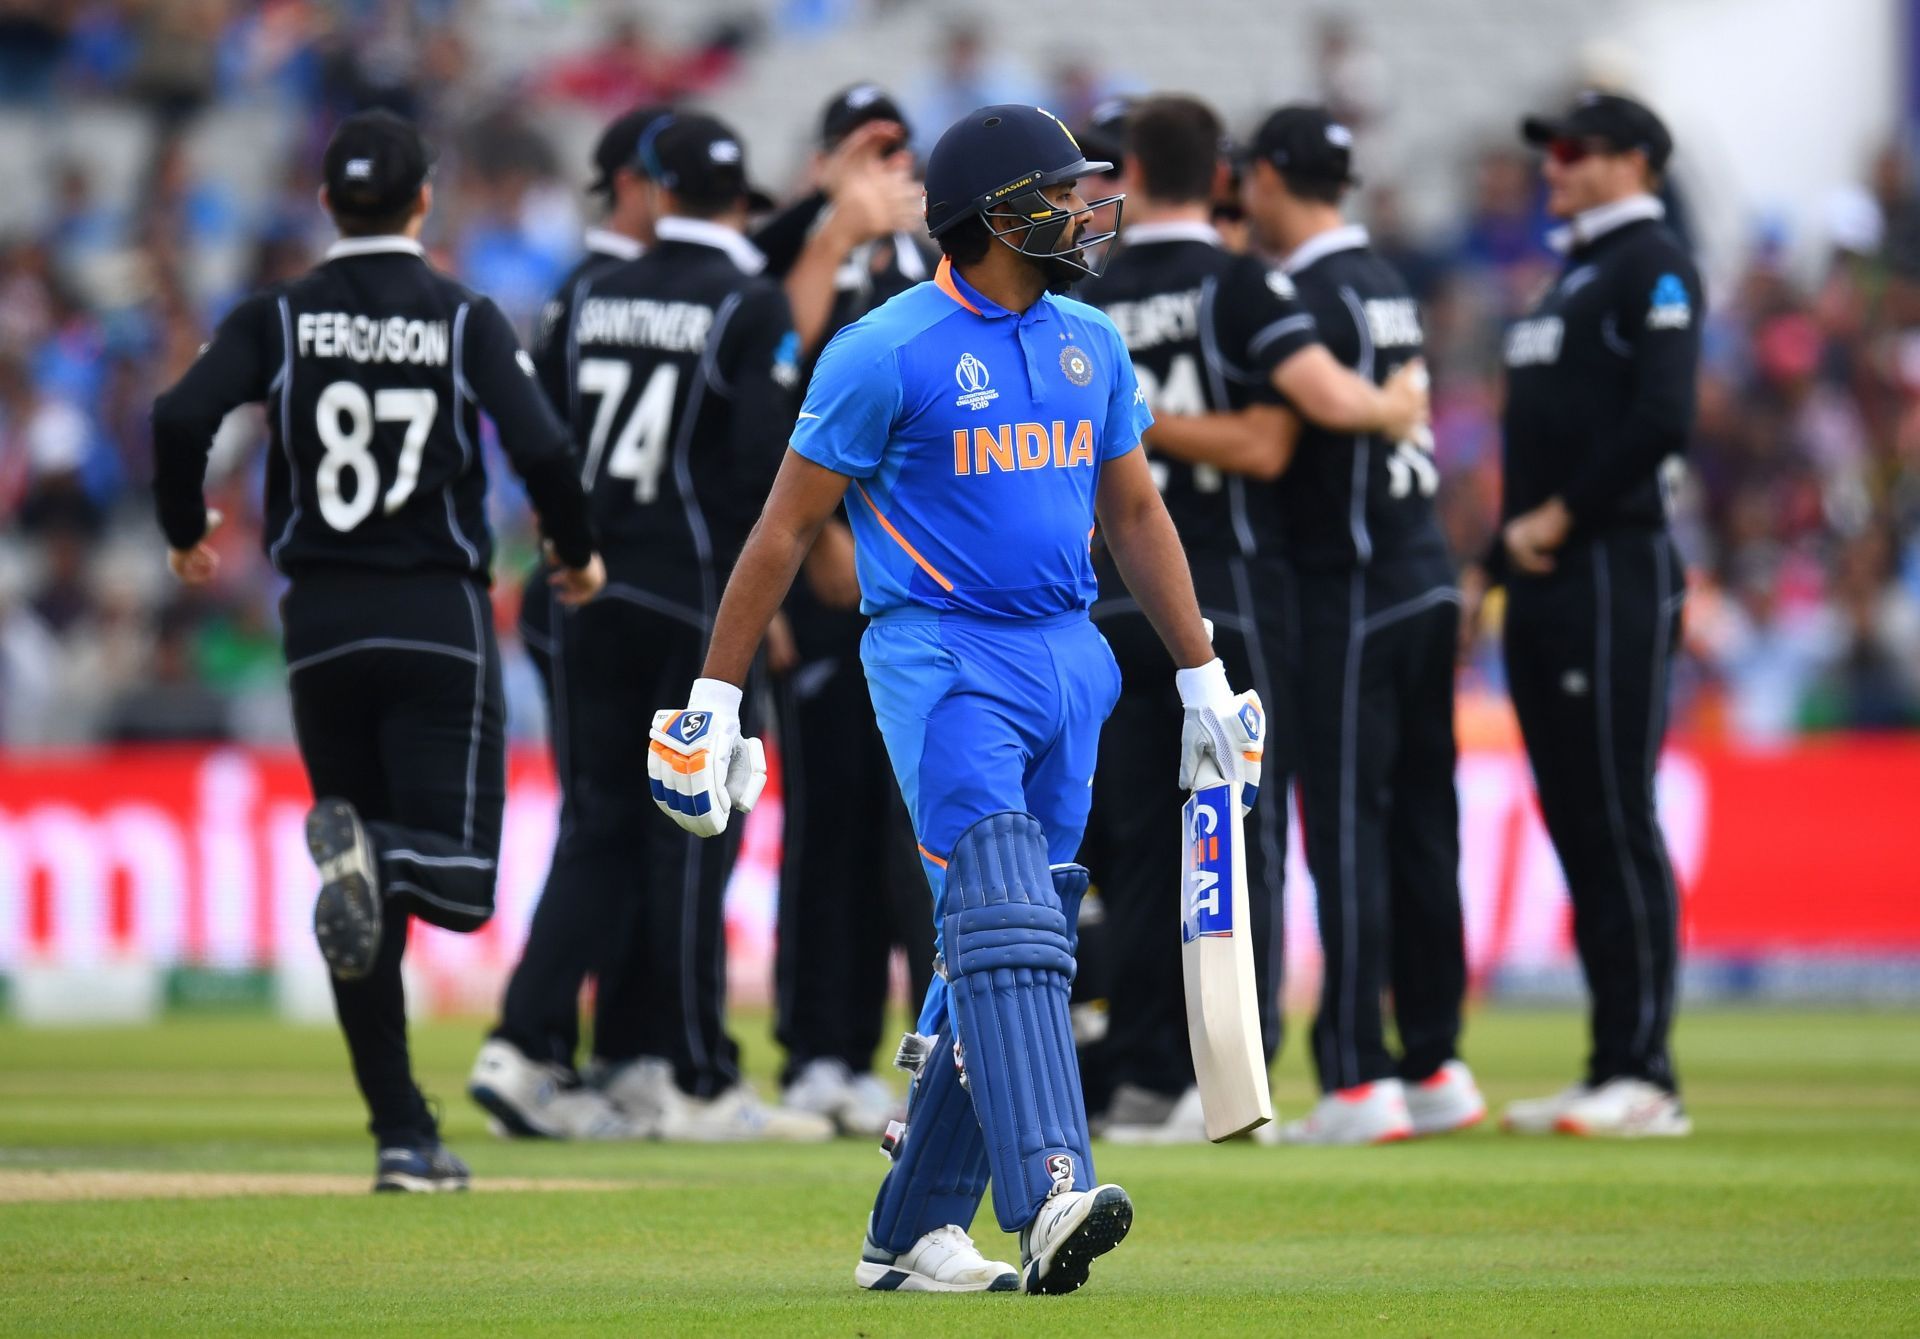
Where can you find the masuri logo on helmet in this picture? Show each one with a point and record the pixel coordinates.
(995, 164)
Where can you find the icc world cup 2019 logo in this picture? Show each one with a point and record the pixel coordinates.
(970, 374)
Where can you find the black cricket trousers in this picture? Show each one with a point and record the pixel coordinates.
(395, 680)
(851, 883)
(1589, 655)
(1133, 842)
(630, 897)
(1381, 818)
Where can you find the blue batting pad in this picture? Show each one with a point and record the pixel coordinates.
(940, 1170)
(1008, 949)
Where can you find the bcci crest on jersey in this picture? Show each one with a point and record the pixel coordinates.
(1206, 909)
(971, 376)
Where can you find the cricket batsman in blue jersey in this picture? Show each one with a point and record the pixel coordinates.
(983, 424)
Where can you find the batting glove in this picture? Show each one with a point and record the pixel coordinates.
(699, 767)
(1224, 735)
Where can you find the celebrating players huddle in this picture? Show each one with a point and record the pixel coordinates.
(735, 436)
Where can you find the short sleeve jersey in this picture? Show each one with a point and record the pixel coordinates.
(974, 438)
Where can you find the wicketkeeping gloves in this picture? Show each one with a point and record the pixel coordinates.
(1226, 731)
(699, 767)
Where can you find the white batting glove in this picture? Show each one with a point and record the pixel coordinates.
(1224, 735)
(700, 768)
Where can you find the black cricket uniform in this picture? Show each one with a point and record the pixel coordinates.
(552, 365)
(842, 905)
(1379, 614)
(553, 358)
(375, 369)
(1206, 328)
(683, 373)
(1600, 391)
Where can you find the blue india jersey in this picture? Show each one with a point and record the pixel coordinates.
(974, 438)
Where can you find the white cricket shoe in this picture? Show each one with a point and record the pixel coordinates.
(1367, 1113)
(943, 1261)
(1626, 1109)
(530, 1100)
(642, 1088)
(870, 1106)
(1072, 1229)
(858, 1104)
(1186, 1123)
(645, 1090)
(821, 1088)
(1449, 1100)
(1538, 1115)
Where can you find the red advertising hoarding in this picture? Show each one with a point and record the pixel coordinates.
(195, 856)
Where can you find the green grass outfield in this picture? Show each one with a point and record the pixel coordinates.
(1795, 1209)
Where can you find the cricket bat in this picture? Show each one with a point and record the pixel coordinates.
(1216, 958)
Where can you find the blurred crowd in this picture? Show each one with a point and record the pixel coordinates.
(1799, 510)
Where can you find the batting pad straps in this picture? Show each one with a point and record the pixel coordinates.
(940, 1168)
(1008, 947)
(1070, 886)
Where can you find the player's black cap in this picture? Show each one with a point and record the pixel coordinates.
(698, 157)
(854, 107)
(619, 145)
(374, 164)
(1303, 140)
(1619, 121)
(995, 153)
(1105, 135)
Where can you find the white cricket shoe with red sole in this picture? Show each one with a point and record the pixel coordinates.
(1368, 1113)
(1449, 1100)
(1626, 1109)
(1539, 1115)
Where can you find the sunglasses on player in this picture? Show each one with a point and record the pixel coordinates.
(1567, 152)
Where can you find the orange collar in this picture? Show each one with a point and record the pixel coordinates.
(949, 283)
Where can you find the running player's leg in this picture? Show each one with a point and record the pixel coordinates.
(1429, 963)
(443, 747)
(335, 713)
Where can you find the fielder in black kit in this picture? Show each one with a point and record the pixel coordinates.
(1374, 678)
(683, 370)
(375, 369)
(544, 998)
(1600, 392)
(1216, 340)
(620, 184)
(848, 892)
